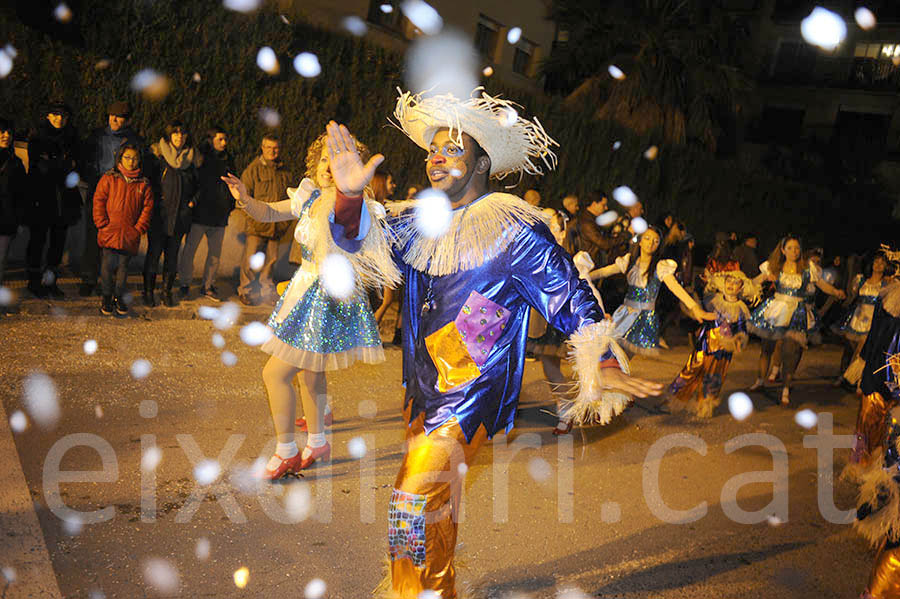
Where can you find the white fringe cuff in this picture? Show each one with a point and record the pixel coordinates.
(594, 401)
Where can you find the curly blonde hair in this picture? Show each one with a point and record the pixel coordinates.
(315, 152)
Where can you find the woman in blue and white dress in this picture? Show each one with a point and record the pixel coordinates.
(637, 324)
(786, 315)
(323, 320)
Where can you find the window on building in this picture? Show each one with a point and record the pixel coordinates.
(486, 35)
(523, 57)
(876, 65)
(795, 61)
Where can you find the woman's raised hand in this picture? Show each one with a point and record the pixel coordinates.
(350, 175)
(237, 188)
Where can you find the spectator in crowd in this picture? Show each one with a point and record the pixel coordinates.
(746, 256)
(54, 203)
(175, 196)
(98, 157)
(622, 233)
(123, 206)
(13, 191)
(383, 186)
(533, 197)
(210, 215)
(593, 239)
(569, 212)
(267, 180)
(666, 222)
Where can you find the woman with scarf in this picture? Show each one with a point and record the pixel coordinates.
(177, 184)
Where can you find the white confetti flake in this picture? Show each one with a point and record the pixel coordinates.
(337, 276)
(651, 153)
(150, 83)
(257, 261)
(423, 16)
(433, 212)
(6, 63)
(740, 405)
(386, 8)
(256, 333)
(428, 595)
(227, 316)
(298, 503)
(462, 469)
(140, 368)
(267, 61)
(228, 358)
(98, 412)
(62, 13)
(864, 18)
(208, 312)
(487, 71)
(102, 64)
(455, 172)
(508, 116)
(201, 549)
(355, 25)
(241, 5)
(90, 347)
(285, 20)
(151, 458)
(774, 521)
(572, 593)
(315, 589)
(269, 117)
(241, 577)
(248, 479)
(41, 400)
(162, 576)
(72, 180)
(207, 471)
(48, 278)
(617, 145)
(445, 63)
(11, 50)
(624, 196)
(96, 594)
(307, 64)
(806, 418)
(638, 225)
(73, 525)
(615, 72)
(356, 447)
(539, 469)
(218, 340)
(607, 218)
(18, 422)
(6, 296)
(823, 28)
(514, 35)
(9, 574)
(196, 77)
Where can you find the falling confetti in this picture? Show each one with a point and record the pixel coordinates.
(96, 594)
(423, 16)
(307, 64)
(386, 8)
(18, 422)
(162, 576)
(267, 61)
(617, 145)
(487, 71)
(651, 153)
(638, 225)
(269, 117)
(337, 276)
(201, 549)
(774, 521)
(72, 180)
(508, 116)
(455, 172)
(196, 77)
(228, 358)
(624, 196)
(41, 399)
(572, 593)
(607, 218)
(255, 333)
(445, 63)
(356, 447)
(615, 72)
(823, 28)
(740, 405)
(218, 340)
(102, 64)
(298, 503)
(285, 20)
(806, 418)
(90, 347)
(9, 574)
(433, 212)
(227, 316)
(207, 471)
(241, 5)
(539, 469)
(514, 35)
(6, 296)
(355, 25)
(98, 412)
(428, 595)
(72, 525)
(11, 50)
(153, 85)
(140, 368)
(62, 13)
(151, 458)
(316, 587)
(462, 469)
(6, 63)
(241, 577)
(207, 312)
(148, 408)
(864, 18)
(257, 261)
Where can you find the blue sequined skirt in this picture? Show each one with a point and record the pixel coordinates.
(777, 318)
(637, 330)
(320, 333)
(856, 323)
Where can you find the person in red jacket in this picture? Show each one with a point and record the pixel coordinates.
(123, 204)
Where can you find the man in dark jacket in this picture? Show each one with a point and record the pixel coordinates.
(12, 192)
(594, 240)
(54, 203)
(267, 180)
(99, 156)
(745, 254)
(210, 215)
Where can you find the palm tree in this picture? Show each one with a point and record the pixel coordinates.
(680, 58)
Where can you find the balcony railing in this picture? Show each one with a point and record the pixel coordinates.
(844, 72)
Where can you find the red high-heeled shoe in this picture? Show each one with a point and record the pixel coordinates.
(287, 466)
(323, 453)
(562, 431)
(300, 423)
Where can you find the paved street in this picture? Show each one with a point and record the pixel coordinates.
(540, 515)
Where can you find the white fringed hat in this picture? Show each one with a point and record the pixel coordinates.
(514, 144)
(750, 290)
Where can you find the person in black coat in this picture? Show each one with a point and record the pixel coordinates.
(54, 201)
(176, 183)
(210, 215)
(12, 191)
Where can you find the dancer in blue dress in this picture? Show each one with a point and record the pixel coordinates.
(786, 315)
(321, 322)
(636, 321)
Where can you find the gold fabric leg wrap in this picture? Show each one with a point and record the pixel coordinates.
(871, 426)
(702, 376)
(884, 581)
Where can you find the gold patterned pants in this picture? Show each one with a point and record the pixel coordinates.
(884, 581)
(701, 378)
(871, 426)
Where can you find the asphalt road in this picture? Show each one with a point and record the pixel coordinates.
(539, 515)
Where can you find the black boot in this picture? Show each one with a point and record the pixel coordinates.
(149, 289)
(35, 286)
(106, 305)
(168, 296)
